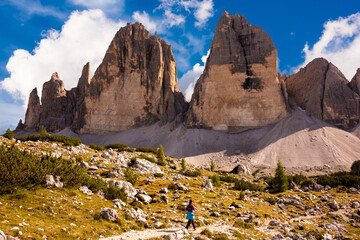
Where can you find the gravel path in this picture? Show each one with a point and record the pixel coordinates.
(153, 233)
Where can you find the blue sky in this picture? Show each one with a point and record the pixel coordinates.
(41, 37)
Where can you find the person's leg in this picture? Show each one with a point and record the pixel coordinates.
(188, 224)
(193, 224)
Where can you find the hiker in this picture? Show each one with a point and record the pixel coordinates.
(190, 215)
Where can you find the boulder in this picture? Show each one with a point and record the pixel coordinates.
(144, 166)
(115, 172)
(239, 87)
(128, 187)
(86, 190)
(334, 205)
(109, 214)
(164, 190)
(53, 181)
(84, 164)
(208, 184)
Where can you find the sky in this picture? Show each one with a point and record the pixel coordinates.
(39, 37)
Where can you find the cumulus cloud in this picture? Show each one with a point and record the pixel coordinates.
(159, 25)
(339, 44)
(105, 5)
(151, 25)
(35, 7)
(201, 10)
(83, 38)
(188, 80)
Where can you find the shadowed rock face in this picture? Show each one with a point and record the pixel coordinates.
(239, 87)
(32, 117)
(57, 105)
(355, 82)
(322, 91)
(135, 85)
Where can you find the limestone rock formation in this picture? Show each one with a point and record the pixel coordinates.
(135, 85)
(57, 105)
(32, 117)
(239, 87)
(322, 91)
(355, 82)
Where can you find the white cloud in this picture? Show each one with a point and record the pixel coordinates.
(83, 38)
(188, 80)
(35, 7)
(172, 19)
(339, 44)
(151, 25)
(105, 5)
(201, 10)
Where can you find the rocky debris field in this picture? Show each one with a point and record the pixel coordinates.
(157, 194)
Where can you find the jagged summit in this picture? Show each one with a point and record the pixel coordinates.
(239, 87)
(323, 92)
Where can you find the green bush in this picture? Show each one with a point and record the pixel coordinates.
(131, 176)
(21, 169)
(270, 200)
(9, 134)
(243, 185)
(115, 146)
(346, 179)
(158, 175)
(146, 150)
(297, 178)
(355, 167)
(194, 173)
(228, 179)
(96, 147)
(216, 181)
(242, 196)
(244, 225)
(221, 236)
(44, 136)
(206, 232)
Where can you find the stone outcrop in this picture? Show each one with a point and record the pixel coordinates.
(57, 105)
(135, 85)
(322, 91)
(32, 117)
(239, 87)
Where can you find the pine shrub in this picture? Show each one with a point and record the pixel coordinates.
(280, 182)
(9, 134)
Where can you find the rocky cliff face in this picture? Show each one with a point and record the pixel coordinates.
(355, 82)
(57, 105)
(322, 91)
(135, 85)
(32, 117)
(239, 87)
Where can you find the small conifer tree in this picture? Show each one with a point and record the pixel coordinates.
(161, 156)
(183, 164)
(9, 134)
(280, 181)
(212, 166)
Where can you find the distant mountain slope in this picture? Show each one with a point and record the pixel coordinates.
(298, 141)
